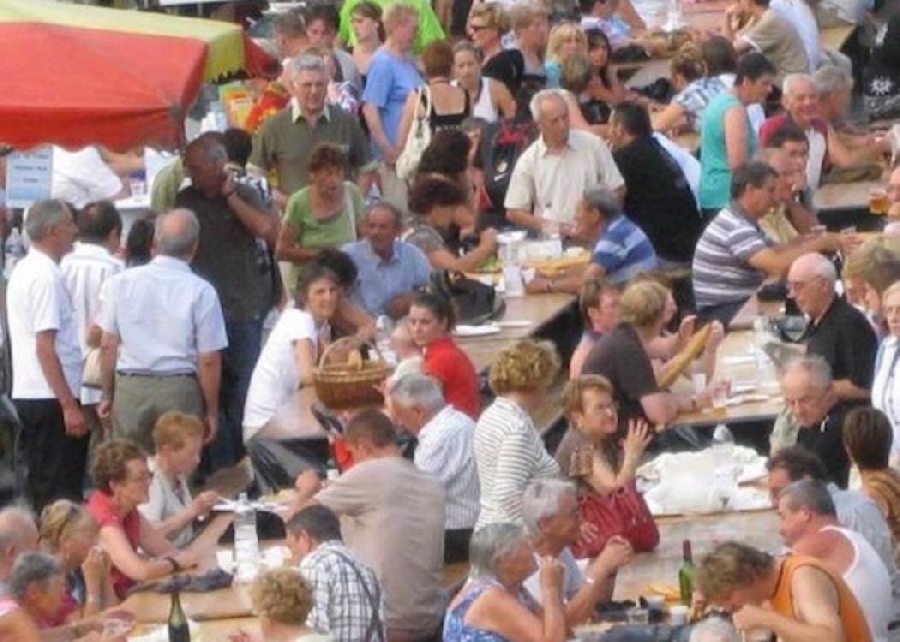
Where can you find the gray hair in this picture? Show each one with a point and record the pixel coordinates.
(307, 62)
(539, 98)
(489, 544)
(32, 568)
(815, 366)
(541, 499)
(811, 494)
(44, 215)
(821, 267)
(176, 232)
(603, 200)
(417, 390)
(791, 81)
(714, 629)
(830, 79)
(395, 211)
(14, 525)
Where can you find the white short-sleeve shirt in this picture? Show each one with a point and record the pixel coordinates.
(550, 185)
(164, 316)
(36, 301)
(81, 177)
(275, 377)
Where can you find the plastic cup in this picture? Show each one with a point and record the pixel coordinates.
(513, 283)
(225, 560)
(720, 395)
(678, 614)
(638, 615)
(699, 381)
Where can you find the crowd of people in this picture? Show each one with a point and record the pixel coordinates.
(143, 363)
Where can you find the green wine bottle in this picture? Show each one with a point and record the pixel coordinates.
(686, 573)
(179, 630)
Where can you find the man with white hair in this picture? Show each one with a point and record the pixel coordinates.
(162, 335)
(837, 331)
(18, 534)
(550, 514)
(801, 104)
(46, 360)
(809, 525)
(416, 404)
(809, 395)
(555, 170)
(714, 629)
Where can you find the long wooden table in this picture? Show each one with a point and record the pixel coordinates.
(756, 528)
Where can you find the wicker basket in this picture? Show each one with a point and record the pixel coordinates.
(344, 387)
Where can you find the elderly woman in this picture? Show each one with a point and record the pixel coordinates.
(282, 600)
(122, 483)
(868, 438)
(622, 357)
(492, 606)
(435, 200)
(431, 320)
(490, 98)
(69, 533)
(593, 424)
(326, 213)
(488, 23)
(292, 350)
(442, 104)
(392, 76)
(509, 451)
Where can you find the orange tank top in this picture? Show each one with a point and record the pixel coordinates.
(855, 627)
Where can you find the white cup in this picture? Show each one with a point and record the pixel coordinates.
(678, 614)
(512, 281)
(699, 381)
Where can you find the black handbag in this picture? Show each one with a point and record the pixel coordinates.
(475, 302)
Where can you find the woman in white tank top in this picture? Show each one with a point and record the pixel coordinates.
(490, 99)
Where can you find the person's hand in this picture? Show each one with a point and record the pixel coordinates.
(488, 239)
(698, 602)
(204, 502)
(749, 617)
(104, 410)
(391, 154)
(828, 242)
(95, 567)
(537, 285)
(686, 329)
(716, 336)
(186, 559)
(212, 427)
(589, 532)
(616, 554)
(228, 184)
(241, 636)
(638, 437)
(308, 483)
(74, 420)
(551, 575)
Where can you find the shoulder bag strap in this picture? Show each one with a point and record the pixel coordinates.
(373, 631)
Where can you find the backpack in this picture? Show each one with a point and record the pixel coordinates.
(501, 145)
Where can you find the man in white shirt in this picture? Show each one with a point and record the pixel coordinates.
(552, 174)
(550, 514)
(86, 268)
(46, 360)
(445, 449)
(166, 325)
(808, 523)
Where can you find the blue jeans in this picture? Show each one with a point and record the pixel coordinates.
(238, 361)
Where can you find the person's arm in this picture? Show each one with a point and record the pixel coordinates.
(570, 281)
(17, 625)
(816, 603)
(109, 350)
(504, 614)
(209, 376)
(660, 407)
(630, 16)
(200, 505)
(522, 193)
(775, 261)
(599, 578)
(353, 319)
(441, 258)
(376, 131)
(800, 217)
(502, 98)
(406, 119)
(258, 221)
(602, 478)
(524, 218)
(288, 249)
(303, 357)
(671, 117)
(52, 370)
(846, 389)
(840, 155)
(736, 143)
(126, 559)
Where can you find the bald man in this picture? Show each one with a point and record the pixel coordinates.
(837, 331)
(800, 101)
(18, 534)
(163, 331)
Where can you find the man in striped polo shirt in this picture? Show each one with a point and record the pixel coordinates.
(734, 256)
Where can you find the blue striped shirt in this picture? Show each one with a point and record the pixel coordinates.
(623, 250)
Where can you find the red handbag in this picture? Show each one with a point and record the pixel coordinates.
(622, 512)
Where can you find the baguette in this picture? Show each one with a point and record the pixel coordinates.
(683, 359)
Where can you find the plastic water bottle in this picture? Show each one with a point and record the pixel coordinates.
(14, 251)
(383, 329)
(246, 540)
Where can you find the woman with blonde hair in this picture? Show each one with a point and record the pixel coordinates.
(509, 452)
(488, 23)
(69, 533)
(622, 357)
(282, 600)
(565, 40)
(531, 23)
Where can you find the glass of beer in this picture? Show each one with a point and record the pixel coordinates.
(878, 202)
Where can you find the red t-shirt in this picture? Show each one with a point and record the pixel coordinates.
(443, 360)
(101, 507)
